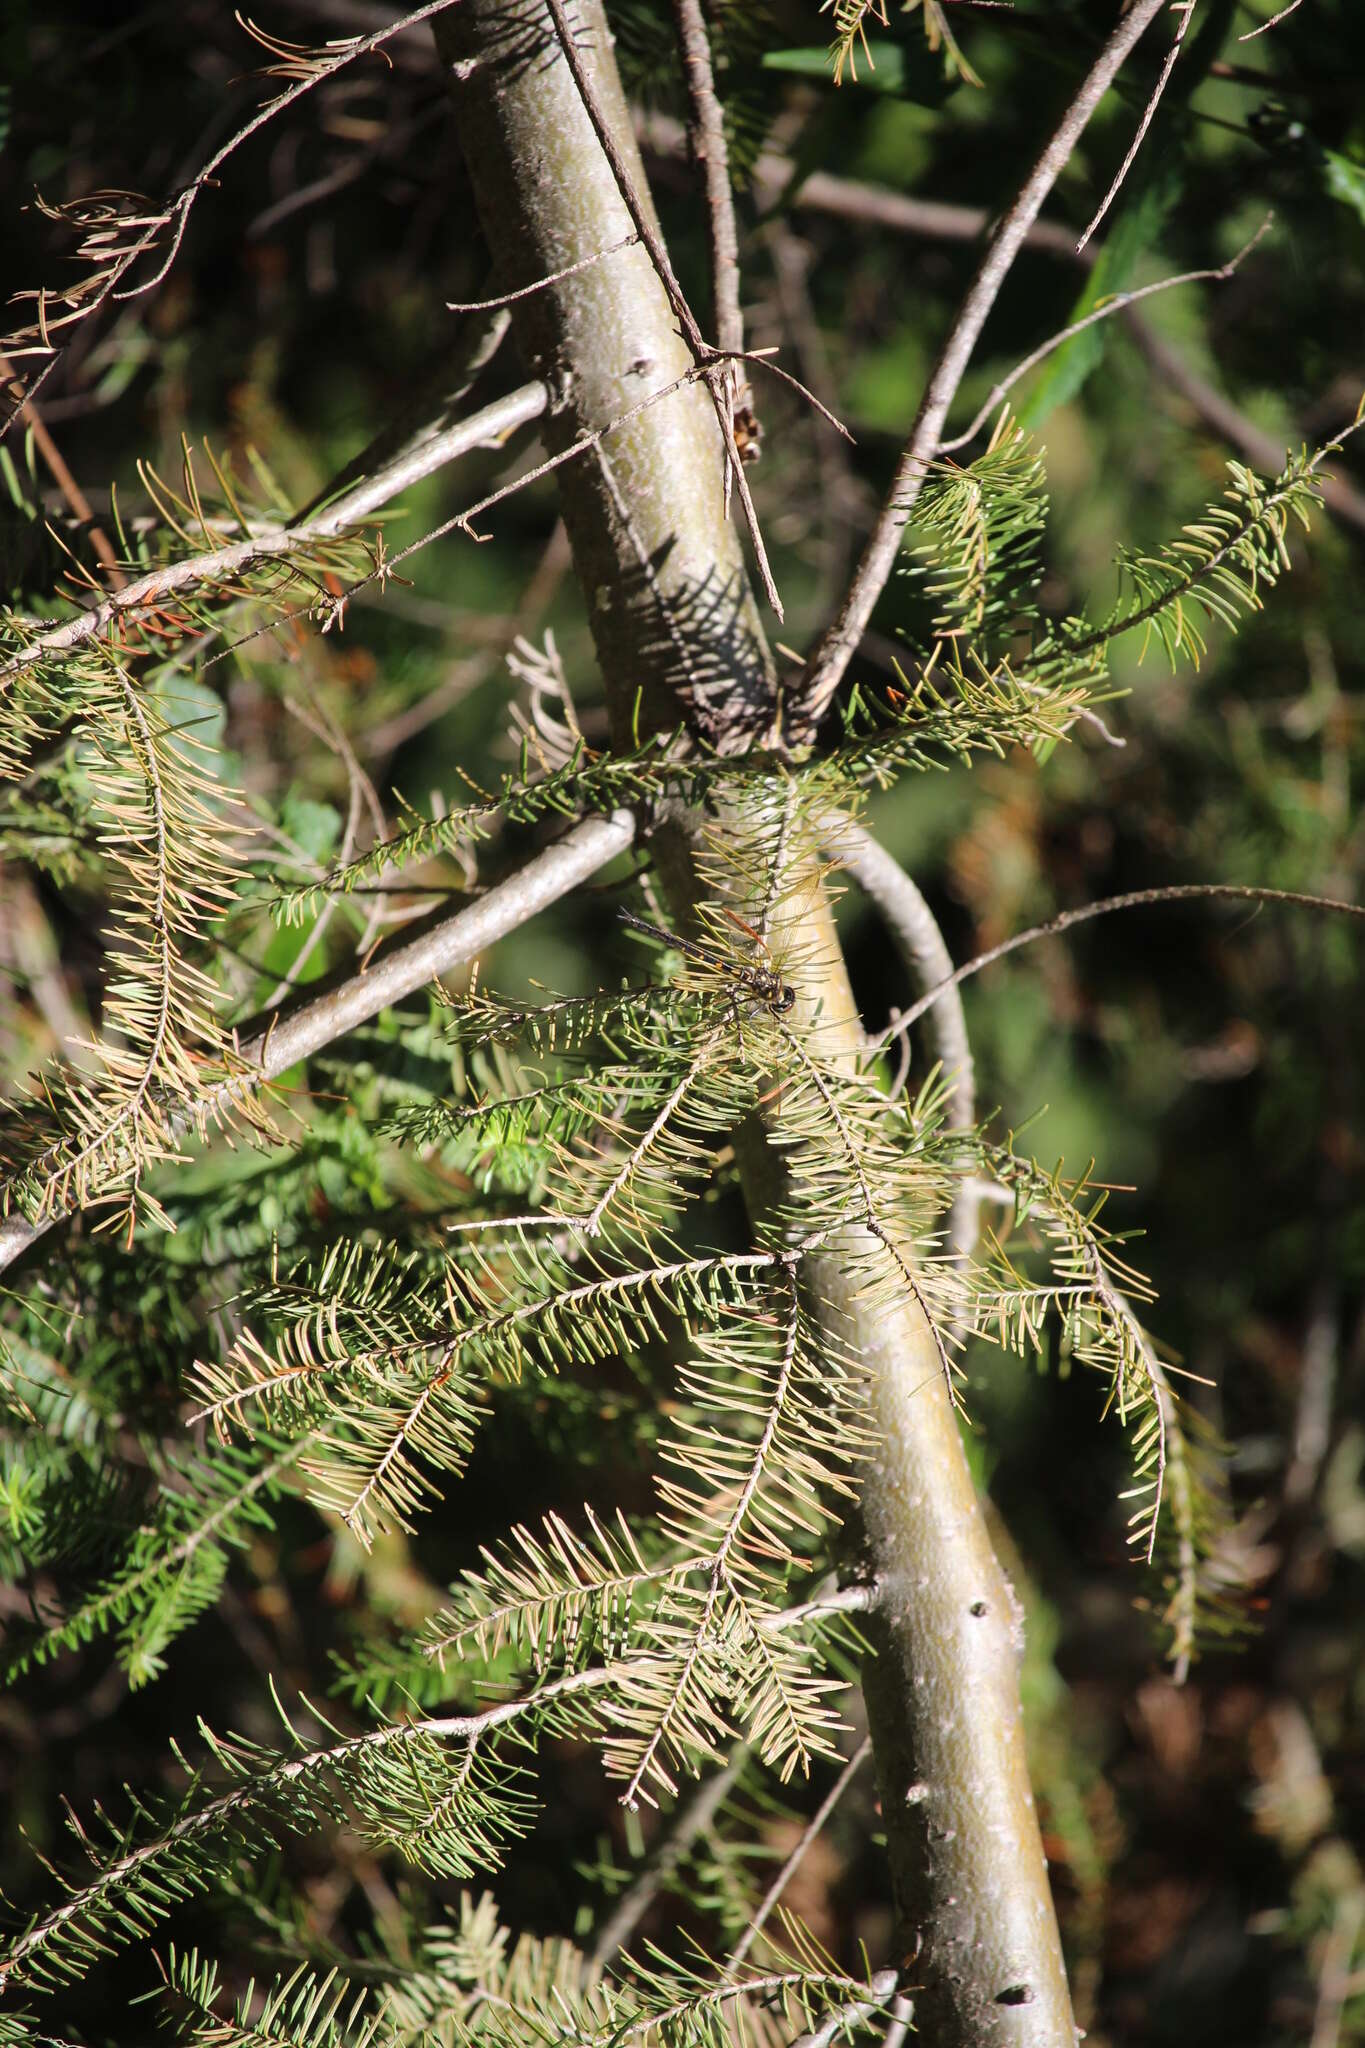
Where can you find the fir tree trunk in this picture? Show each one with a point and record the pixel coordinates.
(679, 641)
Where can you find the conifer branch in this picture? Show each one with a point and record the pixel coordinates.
(276, 1794)
(718, 1563)
(220, 567)
(395, 975)
(173, 1566)
(824, 671)
(1116, 1342)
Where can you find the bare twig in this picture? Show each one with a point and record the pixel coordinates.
(1273, 22)
(694, 1820)
(448, 944)
(1118, 303)
(542, 283)
(789, 1868)
(703, 355)
(1185, 9)
(710, 152)
(832, 656)
(1083, 913)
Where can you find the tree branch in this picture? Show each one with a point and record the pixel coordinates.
(793, 1862)
(694, 1819)
(662, 573)
(915, 930)
(1120, 302)
(418, 458)
(1083, 913)
(710, 152)
(826, 667)
(647, 229)
(448, 944)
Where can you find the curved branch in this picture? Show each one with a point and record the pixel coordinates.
(1120, 302)
(915, 930)
(1134, 900)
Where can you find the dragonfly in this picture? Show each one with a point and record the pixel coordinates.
(774, 993)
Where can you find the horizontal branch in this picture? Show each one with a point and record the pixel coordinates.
(447, 945)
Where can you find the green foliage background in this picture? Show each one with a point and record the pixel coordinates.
(1205, 1841)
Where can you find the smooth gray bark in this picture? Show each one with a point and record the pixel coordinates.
(661, 568)
(679, 641)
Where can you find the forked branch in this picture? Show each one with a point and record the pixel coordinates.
(825, 669)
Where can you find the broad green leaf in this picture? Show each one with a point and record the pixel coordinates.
(316, 827)
(1345, 180)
